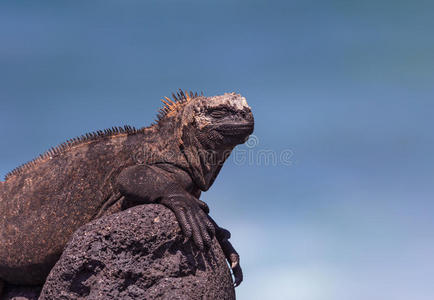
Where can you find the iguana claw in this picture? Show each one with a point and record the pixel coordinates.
(192, 219)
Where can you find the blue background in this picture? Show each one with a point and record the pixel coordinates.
(345, 87)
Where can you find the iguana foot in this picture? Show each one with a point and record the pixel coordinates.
(192, 218)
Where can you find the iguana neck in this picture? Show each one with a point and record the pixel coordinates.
(203, 164)
(176, 143)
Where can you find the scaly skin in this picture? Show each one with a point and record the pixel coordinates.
(170, 162)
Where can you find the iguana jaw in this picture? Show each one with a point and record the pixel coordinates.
(235, 129)
(232, 134)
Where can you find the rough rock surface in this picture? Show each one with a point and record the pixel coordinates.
(139, 253)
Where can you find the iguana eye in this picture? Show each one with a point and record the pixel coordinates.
(218, 113)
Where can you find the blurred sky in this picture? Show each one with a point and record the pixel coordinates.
(345, 87)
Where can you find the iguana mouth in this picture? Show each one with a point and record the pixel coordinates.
(236, 129)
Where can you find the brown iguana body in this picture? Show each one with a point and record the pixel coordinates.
(170, 162)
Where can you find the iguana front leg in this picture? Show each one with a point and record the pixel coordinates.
(170, 187)
(223, 236)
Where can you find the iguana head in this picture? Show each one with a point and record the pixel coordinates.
(219, 122)
(207, 129)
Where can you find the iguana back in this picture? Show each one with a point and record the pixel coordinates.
(41, 207)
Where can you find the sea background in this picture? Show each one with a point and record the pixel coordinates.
(332, 198)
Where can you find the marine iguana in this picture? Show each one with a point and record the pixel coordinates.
(170, 162)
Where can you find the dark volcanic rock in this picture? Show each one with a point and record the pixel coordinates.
(138, 254)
